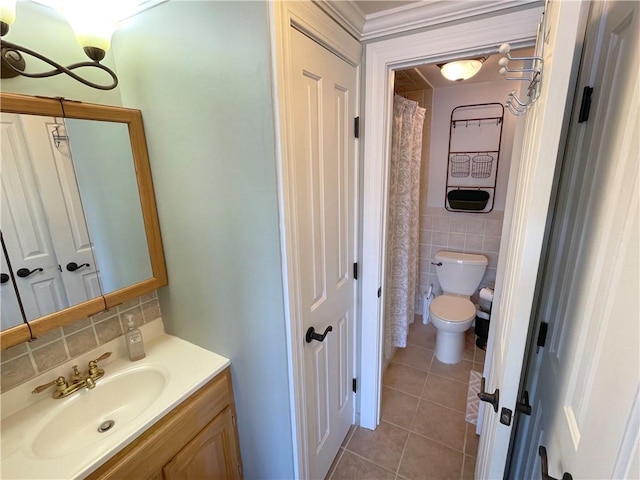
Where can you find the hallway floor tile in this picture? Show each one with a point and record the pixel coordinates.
(423, 433)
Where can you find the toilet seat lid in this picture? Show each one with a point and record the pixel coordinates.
(453, 309)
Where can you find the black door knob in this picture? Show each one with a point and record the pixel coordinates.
(73, 266)
(25, 272)
(544, 466)
(492, 398)
(4, 278)
(312, 335)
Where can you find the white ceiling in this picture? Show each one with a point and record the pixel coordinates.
(369, 7)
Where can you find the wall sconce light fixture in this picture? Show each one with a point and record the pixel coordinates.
(93, 30)
(460, 70)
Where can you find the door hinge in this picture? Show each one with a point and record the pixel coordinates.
(585, 105)
(542, 336)
(355, 271)
(379, 292)
(233, 419)
(354, 385)
(356, 127)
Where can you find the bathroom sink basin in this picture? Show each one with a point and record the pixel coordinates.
(89, 416)
(44, 438)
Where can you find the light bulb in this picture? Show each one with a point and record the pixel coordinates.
(7, 14)
(461, 69)
(93, 24)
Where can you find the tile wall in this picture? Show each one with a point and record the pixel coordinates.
(441, 229)
(27, 360)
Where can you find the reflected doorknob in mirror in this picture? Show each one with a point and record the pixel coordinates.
(25, 272)
(73, 266)
(4, 278)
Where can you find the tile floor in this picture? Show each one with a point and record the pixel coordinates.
(423, 433)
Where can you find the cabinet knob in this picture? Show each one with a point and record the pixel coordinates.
(4, 278)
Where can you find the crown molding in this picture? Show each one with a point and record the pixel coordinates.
(346, 13)
(413, 16)
(423, 14)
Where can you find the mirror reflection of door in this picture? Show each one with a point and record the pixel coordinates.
(42, 218)
(10, 315)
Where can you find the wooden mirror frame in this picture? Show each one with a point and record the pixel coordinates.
(12, 103)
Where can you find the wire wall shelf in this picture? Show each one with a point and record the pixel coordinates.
(475, 138)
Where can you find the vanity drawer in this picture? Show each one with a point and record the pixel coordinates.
(146, 456)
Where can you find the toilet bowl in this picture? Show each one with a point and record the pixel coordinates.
(452, 313)
(452, 316)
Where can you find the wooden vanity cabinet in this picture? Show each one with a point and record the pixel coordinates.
(196, 440)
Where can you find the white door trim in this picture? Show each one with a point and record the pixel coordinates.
(381, 59)
(309, 19)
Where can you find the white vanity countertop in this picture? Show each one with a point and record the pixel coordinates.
(185, 367)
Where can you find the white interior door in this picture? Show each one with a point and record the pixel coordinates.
(25, 229)
(323, 184)
(585, 390)
(520, 256)
(10, 315)
(63, 207)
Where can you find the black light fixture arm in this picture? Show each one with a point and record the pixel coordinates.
(11, 55)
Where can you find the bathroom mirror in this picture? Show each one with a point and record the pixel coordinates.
(110, 176)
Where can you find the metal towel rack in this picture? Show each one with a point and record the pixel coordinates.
(530, 70)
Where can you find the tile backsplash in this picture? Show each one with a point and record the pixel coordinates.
(441, 229)
(27, 360)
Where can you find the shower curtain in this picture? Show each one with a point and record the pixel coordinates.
(402, 221)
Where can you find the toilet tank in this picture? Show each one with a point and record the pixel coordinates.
(460, 273)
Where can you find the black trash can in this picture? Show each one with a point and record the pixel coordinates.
(482, 329)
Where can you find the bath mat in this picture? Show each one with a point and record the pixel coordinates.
(471, 415)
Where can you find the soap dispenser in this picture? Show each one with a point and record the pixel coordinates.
(133, 337)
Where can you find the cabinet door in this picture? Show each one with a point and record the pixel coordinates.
(212, 454)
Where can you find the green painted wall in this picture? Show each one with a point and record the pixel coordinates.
(200, 73)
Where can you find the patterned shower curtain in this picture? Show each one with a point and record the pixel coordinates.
(403, 221)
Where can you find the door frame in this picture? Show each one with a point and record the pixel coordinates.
(382, 58)
(309, 19)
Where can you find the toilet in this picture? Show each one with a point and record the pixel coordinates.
(452, 313)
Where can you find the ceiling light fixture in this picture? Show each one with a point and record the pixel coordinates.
(93, 28)
(460, 70)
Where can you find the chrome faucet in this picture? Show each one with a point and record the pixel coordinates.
(76, 381)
